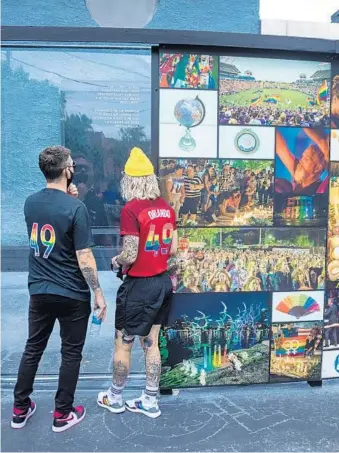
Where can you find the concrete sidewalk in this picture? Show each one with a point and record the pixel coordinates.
(276, 418)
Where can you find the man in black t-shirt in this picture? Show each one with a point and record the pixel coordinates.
(62, 270)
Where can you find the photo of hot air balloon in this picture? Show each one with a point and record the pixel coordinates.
(298, 306)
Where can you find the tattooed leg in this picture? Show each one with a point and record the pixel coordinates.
(121, 362)
(153, 361)
(127, 339)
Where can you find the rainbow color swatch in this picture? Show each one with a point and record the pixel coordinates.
(290, 346)
(298, 305)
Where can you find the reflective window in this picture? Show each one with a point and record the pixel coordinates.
(97, 103)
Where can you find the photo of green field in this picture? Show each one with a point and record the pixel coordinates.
(291, 98)
(269, 92)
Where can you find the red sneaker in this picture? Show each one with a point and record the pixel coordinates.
(63, 422)
(20, 417)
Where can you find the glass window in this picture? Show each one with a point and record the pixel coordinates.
(97, 103)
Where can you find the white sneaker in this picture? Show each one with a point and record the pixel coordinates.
(116, 406)
(144, 405)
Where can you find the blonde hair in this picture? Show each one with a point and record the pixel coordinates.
(140, 187)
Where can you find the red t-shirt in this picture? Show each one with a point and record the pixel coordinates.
(153, 221)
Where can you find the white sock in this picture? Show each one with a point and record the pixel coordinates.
(151, 394)
(114, 393)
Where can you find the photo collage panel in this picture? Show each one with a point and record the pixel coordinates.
(332, 281)
(249, 161)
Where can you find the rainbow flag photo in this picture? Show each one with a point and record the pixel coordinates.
(322, 93)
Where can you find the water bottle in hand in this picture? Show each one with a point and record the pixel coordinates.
(95, 324)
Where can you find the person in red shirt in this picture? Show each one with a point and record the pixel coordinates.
(148, 227)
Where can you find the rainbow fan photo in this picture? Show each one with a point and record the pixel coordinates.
(298, 306)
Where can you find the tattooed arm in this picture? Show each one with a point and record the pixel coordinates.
(88, 268)
(129, 251)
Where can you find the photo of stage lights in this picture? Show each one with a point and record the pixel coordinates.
(216, 339)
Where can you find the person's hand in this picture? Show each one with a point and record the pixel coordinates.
(83, 189)
(100, 304)
(73, 191)
(115, 263)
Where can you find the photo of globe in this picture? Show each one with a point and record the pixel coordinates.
(189, 113)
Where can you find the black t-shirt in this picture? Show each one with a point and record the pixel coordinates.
(58, 225)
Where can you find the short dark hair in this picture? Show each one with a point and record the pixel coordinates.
(53, 160)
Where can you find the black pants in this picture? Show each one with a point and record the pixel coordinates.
(73, 316)
(330, 332)
(263, 196)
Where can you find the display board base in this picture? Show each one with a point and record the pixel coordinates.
(315, 383)
(166, 391)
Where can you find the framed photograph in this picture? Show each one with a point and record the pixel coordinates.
(298, 306)
(273, 92)
(334, 145)
(188, 71)
(330, 365)
(335, 97)
(301, 176)
(219, 339)
(244, 259)
(333, 230)
(296, 351)
(219, 192)
(188, 123)
(331, 321)
(239, 142)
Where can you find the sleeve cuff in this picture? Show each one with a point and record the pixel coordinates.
(129, 233)
(85, 246)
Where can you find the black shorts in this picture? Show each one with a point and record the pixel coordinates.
(190, 205)
(143, 302)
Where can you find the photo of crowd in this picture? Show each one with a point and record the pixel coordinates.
(256, 91)
(219, 192)
(301, 176)
(188, 71)
(331, 320)
(296, 351)
(261, 259)
(335, 97)
(333, 229)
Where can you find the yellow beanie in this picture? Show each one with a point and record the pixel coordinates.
(138, 164)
